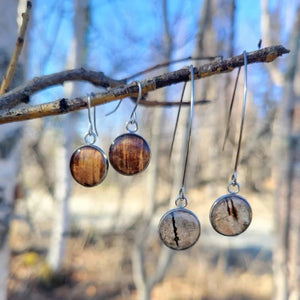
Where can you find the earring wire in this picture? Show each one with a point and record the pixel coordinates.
(234, 176)
(92, 132)
(182, 199)
(182, 190)
(230, 109)
(133, 114)
(132, 119)
(177, 119)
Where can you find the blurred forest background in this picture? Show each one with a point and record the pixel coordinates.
(63, 241)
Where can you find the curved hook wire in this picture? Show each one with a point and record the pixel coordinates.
(92, 131)
(133, 115)
(132, 125)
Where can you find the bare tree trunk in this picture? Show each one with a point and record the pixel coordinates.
(286, 262)
(10, 136)
(144, 284)
(63, 184)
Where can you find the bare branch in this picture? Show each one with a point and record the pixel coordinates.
(22, 93)
(18, 48)
(62, 106)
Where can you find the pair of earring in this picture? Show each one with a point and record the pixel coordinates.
(230, 214)
(129, 153)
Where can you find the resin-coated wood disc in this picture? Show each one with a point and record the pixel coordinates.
(129, 154)
(230, 215)
(88, 165)
(179, 229)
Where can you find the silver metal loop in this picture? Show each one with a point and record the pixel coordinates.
(132, 126)
(233, 187)
(181, 202)
(90, 138)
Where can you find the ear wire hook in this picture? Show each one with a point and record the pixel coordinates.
(181, 201)
(133, 115)
(90, 136)
(230, 108)
(190, 128)
(132, 119)
(234, 176)
(177, 119)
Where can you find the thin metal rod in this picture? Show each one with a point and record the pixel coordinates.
(115, 109)
(89, 113)
(132, 116)
(92, 125)
(189, 129)
(230, 109)
(243, 118)
(177, 119)
(95, 119)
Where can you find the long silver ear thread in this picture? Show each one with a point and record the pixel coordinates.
(231, 214)
(179, 228)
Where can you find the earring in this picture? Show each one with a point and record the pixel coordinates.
(130, 153)
(88, 164)
(179, 228)
(231, 214)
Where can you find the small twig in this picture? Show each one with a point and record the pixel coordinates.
(62, 106)
(18, 48)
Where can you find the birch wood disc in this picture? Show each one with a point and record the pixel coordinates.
(129, 154)
(230, 215)
(89, 165)
(179, 229)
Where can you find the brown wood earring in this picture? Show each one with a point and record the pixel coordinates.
(130, 153)
(88, 163)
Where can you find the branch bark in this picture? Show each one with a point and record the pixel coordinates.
(21, 94)
(18, 48)
(62, 106)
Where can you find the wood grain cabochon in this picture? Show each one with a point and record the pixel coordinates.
(129, 154)
(230, 215)
(89, 165)
(179, 229)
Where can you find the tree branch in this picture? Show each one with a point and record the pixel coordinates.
(18, 48)
(62, 106)
(22, 93)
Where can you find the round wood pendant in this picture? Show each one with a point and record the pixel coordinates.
(89, 165)
(230, 215)
(129, 154)
(179, 229)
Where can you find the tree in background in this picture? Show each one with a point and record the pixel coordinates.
(10, 138)
(286, 259)
(62, 189)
